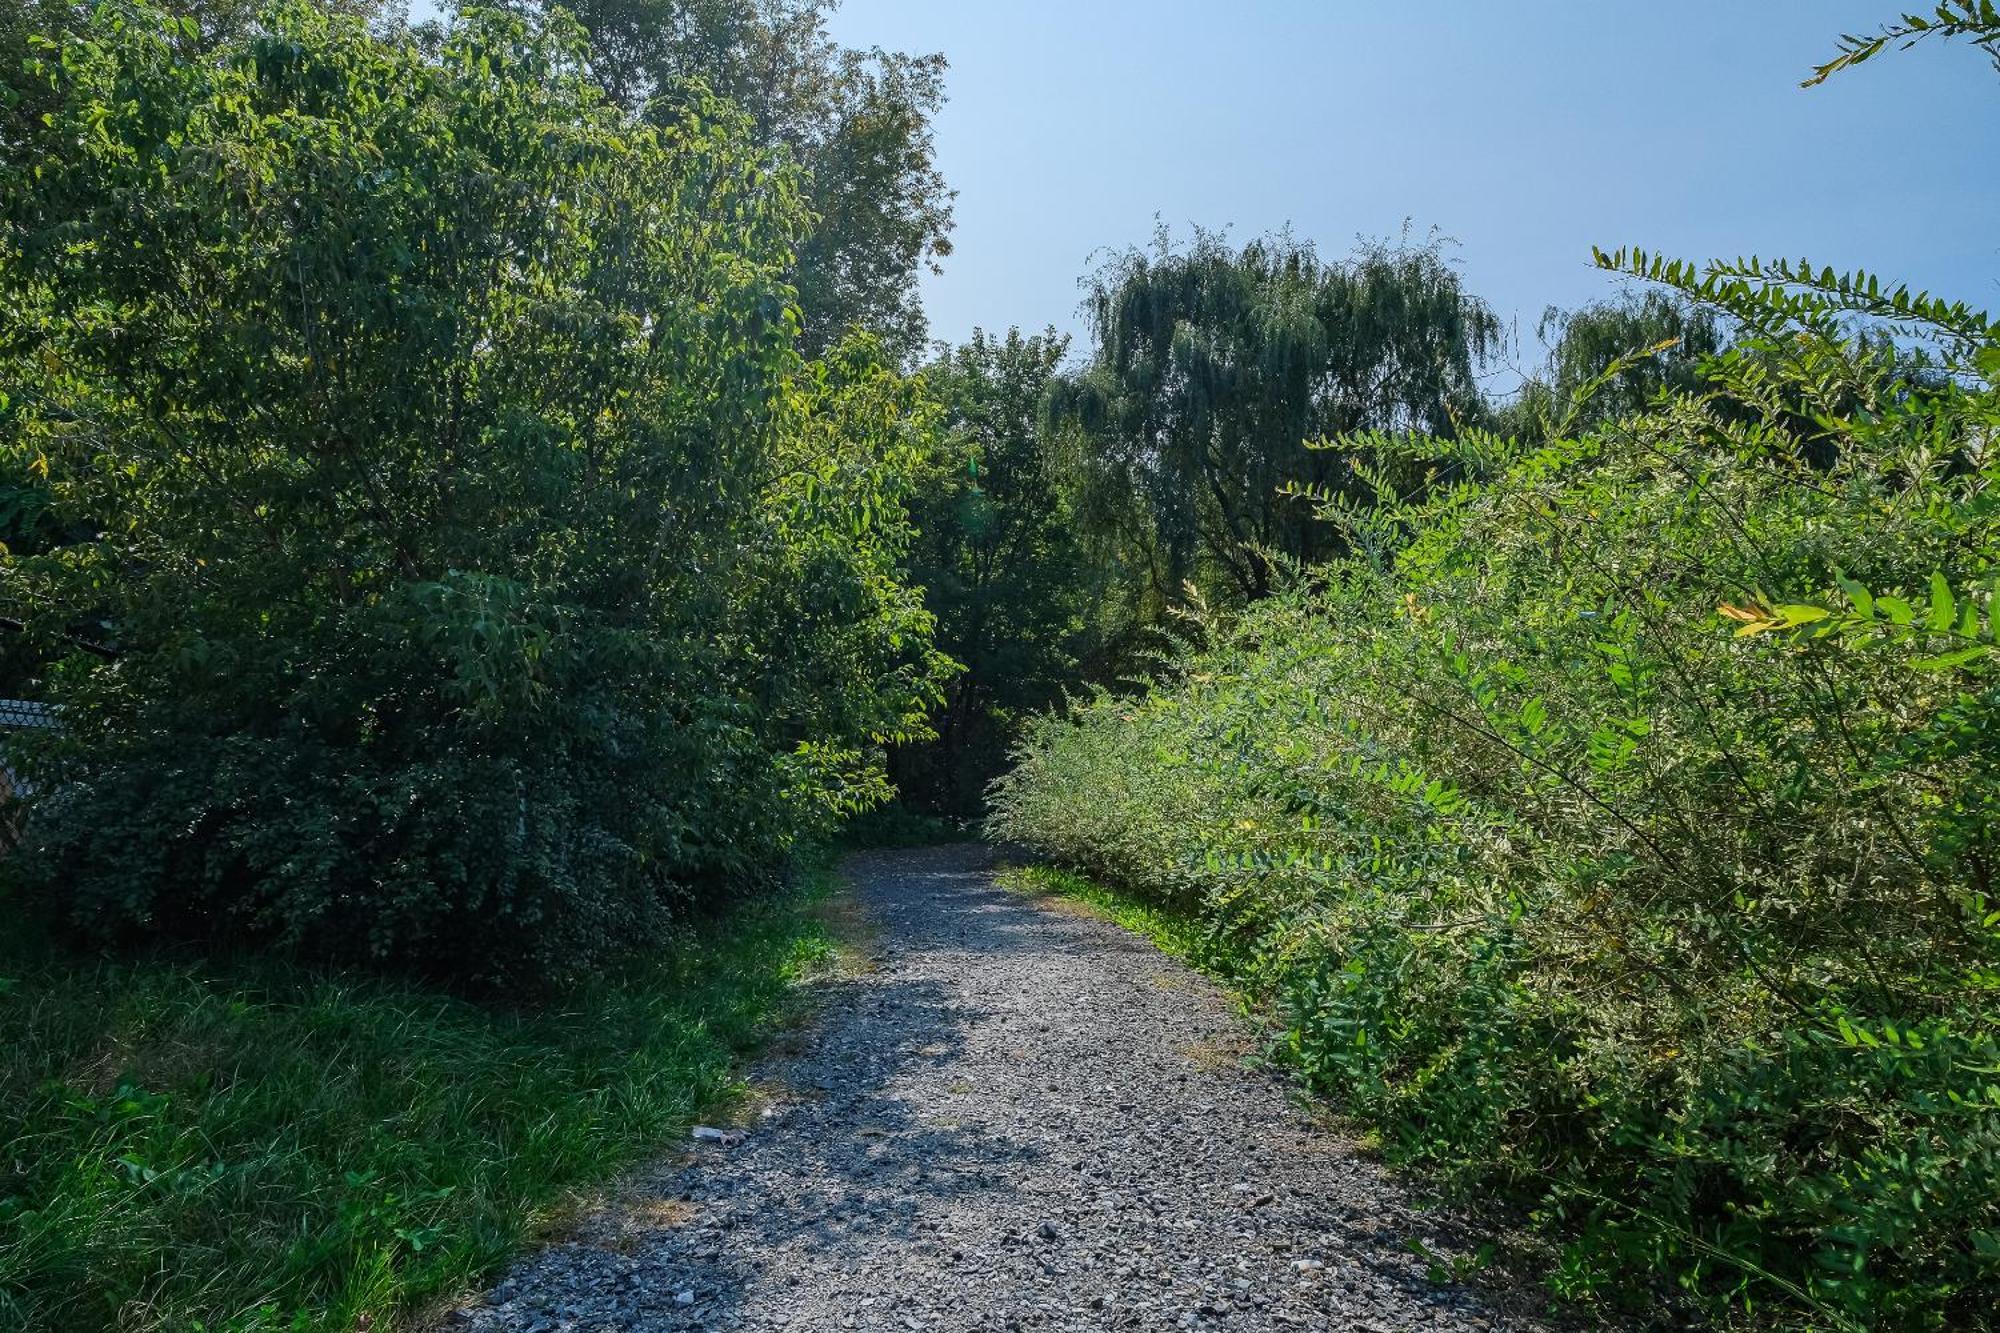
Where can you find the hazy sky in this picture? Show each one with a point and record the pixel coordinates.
(1527, 131)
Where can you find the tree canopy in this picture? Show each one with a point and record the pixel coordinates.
(857, 122)
(1213, 368)
(485, 568)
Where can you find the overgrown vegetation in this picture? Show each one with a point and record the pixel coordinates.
(1611, 819)
(241, 1144)
(476, 502)
(1613, 823)
(483, 574)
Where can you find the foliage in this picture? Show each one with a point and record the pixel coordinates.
(1001, 562)
(1212, 366)
(1614, 825)
(1977, 21)
(1612, 359)
(857, 122)
(486, 573)
(243, 1145)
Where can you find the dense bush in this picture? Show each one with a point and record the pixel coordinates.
(485, 572)
(1615, 825)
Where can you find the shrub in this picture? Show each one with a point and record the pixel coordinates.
(1613, 826)
(486, 573)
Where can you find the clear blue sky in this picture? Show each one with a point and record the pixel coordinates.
(1527, 131)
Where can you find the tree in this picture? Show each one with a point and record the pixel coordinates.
(1000, 562)
(858, 122)
(228, 20)
(1212, 370)
(487, 574)
(1610, 359)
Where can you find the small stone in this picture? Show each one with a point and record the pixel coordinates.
(728, 1138)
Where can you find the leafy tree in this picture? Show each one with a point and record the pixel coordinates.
(1213, 367)
(1612, 359)
(487, 573)
(858, 122)
(1000, 562)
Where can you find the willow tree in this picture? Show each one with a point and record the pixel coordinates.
(1212, 369)
(1611, 359)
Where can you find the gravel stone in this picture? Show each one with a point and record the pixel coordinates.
(1022, 1118)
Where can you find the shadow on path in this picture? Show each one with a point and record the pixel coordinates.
(1020, 1118)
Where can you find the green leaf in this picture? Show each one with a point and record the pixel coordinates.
(1864, 605)
(1946, 661)
(1798, 614)
(1944, 609)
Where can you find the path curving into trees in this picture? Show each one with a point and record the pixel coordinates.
(1015, 1117)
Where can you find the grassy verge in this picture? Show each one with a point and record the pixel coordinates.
(1182, 935)
(250, 1146)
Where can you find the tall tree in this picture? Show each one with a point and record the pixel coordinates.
(1000, 562)
(1214, 368)
(1609, 359)
(489, 574)
(858, 122)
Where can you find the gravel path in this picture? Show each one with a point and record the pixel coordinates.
(1022, 1118)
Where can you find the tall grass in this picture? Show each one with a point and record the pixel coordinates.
(248, 1146)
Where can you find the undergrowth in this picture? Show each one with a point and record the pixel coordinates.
(250, 1146)
(1612, 826)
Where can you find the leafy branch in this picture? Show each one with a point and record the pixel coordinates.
(1977, 20)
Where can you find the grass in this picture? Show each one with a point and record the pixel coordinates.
(1183, 935)
(249, 1146)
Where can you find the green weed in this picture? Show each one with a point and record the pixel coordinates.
(251, 1146)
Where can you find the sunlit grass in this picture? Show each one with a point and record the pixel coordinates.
(1180, 934)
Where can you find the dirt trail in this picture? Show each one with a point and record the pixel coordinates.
(1021, 1118)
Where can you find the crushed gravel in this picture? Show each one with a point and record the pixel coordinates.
(1020, 1118)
